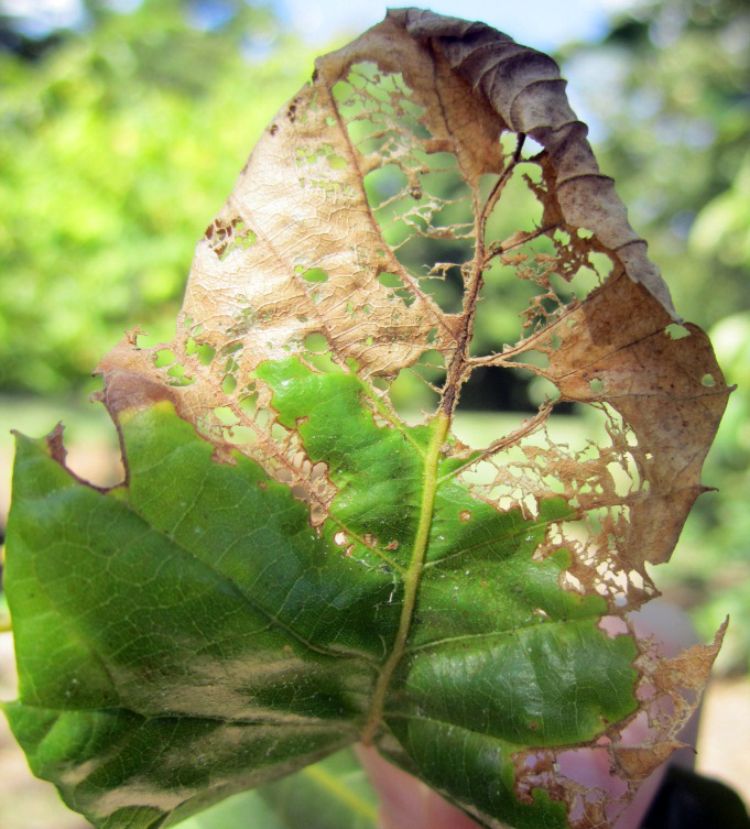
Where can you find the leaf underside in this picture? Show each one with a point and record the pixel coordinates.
(290, 567)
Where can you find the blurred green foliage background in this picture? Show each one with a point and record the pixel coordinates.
(121, 136)
(117, 145)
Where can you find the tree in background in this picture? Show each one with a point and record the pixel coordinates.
(118, 140)
(670, 85)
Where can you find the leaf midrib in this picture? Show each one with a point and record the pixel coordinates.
(440, 428)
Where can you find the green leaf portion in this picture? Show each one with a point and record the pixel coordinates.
(543, 685)
(188, 629)
(122, 770)
(483, 599)
(190, 635)
(257, 537)
(481, 577)
(483, 767)
(145, 672)
(378, 471)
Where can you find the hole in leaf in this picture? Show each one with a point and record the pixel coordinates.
(315, 275)
(531, 147)
(164, 357)
(316, 342)
(249, 404)
(241, 435)
(178, 375)
(264, 418)
(613, 626)
(205, 353)
(676, 331)
(447, 290)
(497, 388)
(541, 390)
(383, 184)
(226, 416)
(535, 358)
(336, 162)
(390, 280)
(412, 396)
(578, 285)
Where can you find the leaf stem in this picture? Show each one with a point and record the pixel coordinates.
(458, 370)
(440, 426)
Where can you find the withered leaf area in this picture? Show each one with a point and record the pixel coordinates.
(397, 171)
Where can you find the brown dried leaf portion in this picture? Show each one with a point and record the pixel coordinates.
(525, 89)
(133, 382)
(295, 262)
(298, 252)
(660, 401)
(615, 348)
(314, 264)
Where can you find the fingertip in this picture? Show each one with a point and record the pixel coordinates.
(407, 803)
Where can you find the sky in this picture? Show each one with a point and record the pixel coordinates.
(543, 24)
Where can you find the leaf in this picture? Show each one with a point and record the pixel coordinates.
(290, 566)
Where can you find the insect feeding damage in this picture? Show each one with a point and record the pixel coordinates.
(313, 258)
